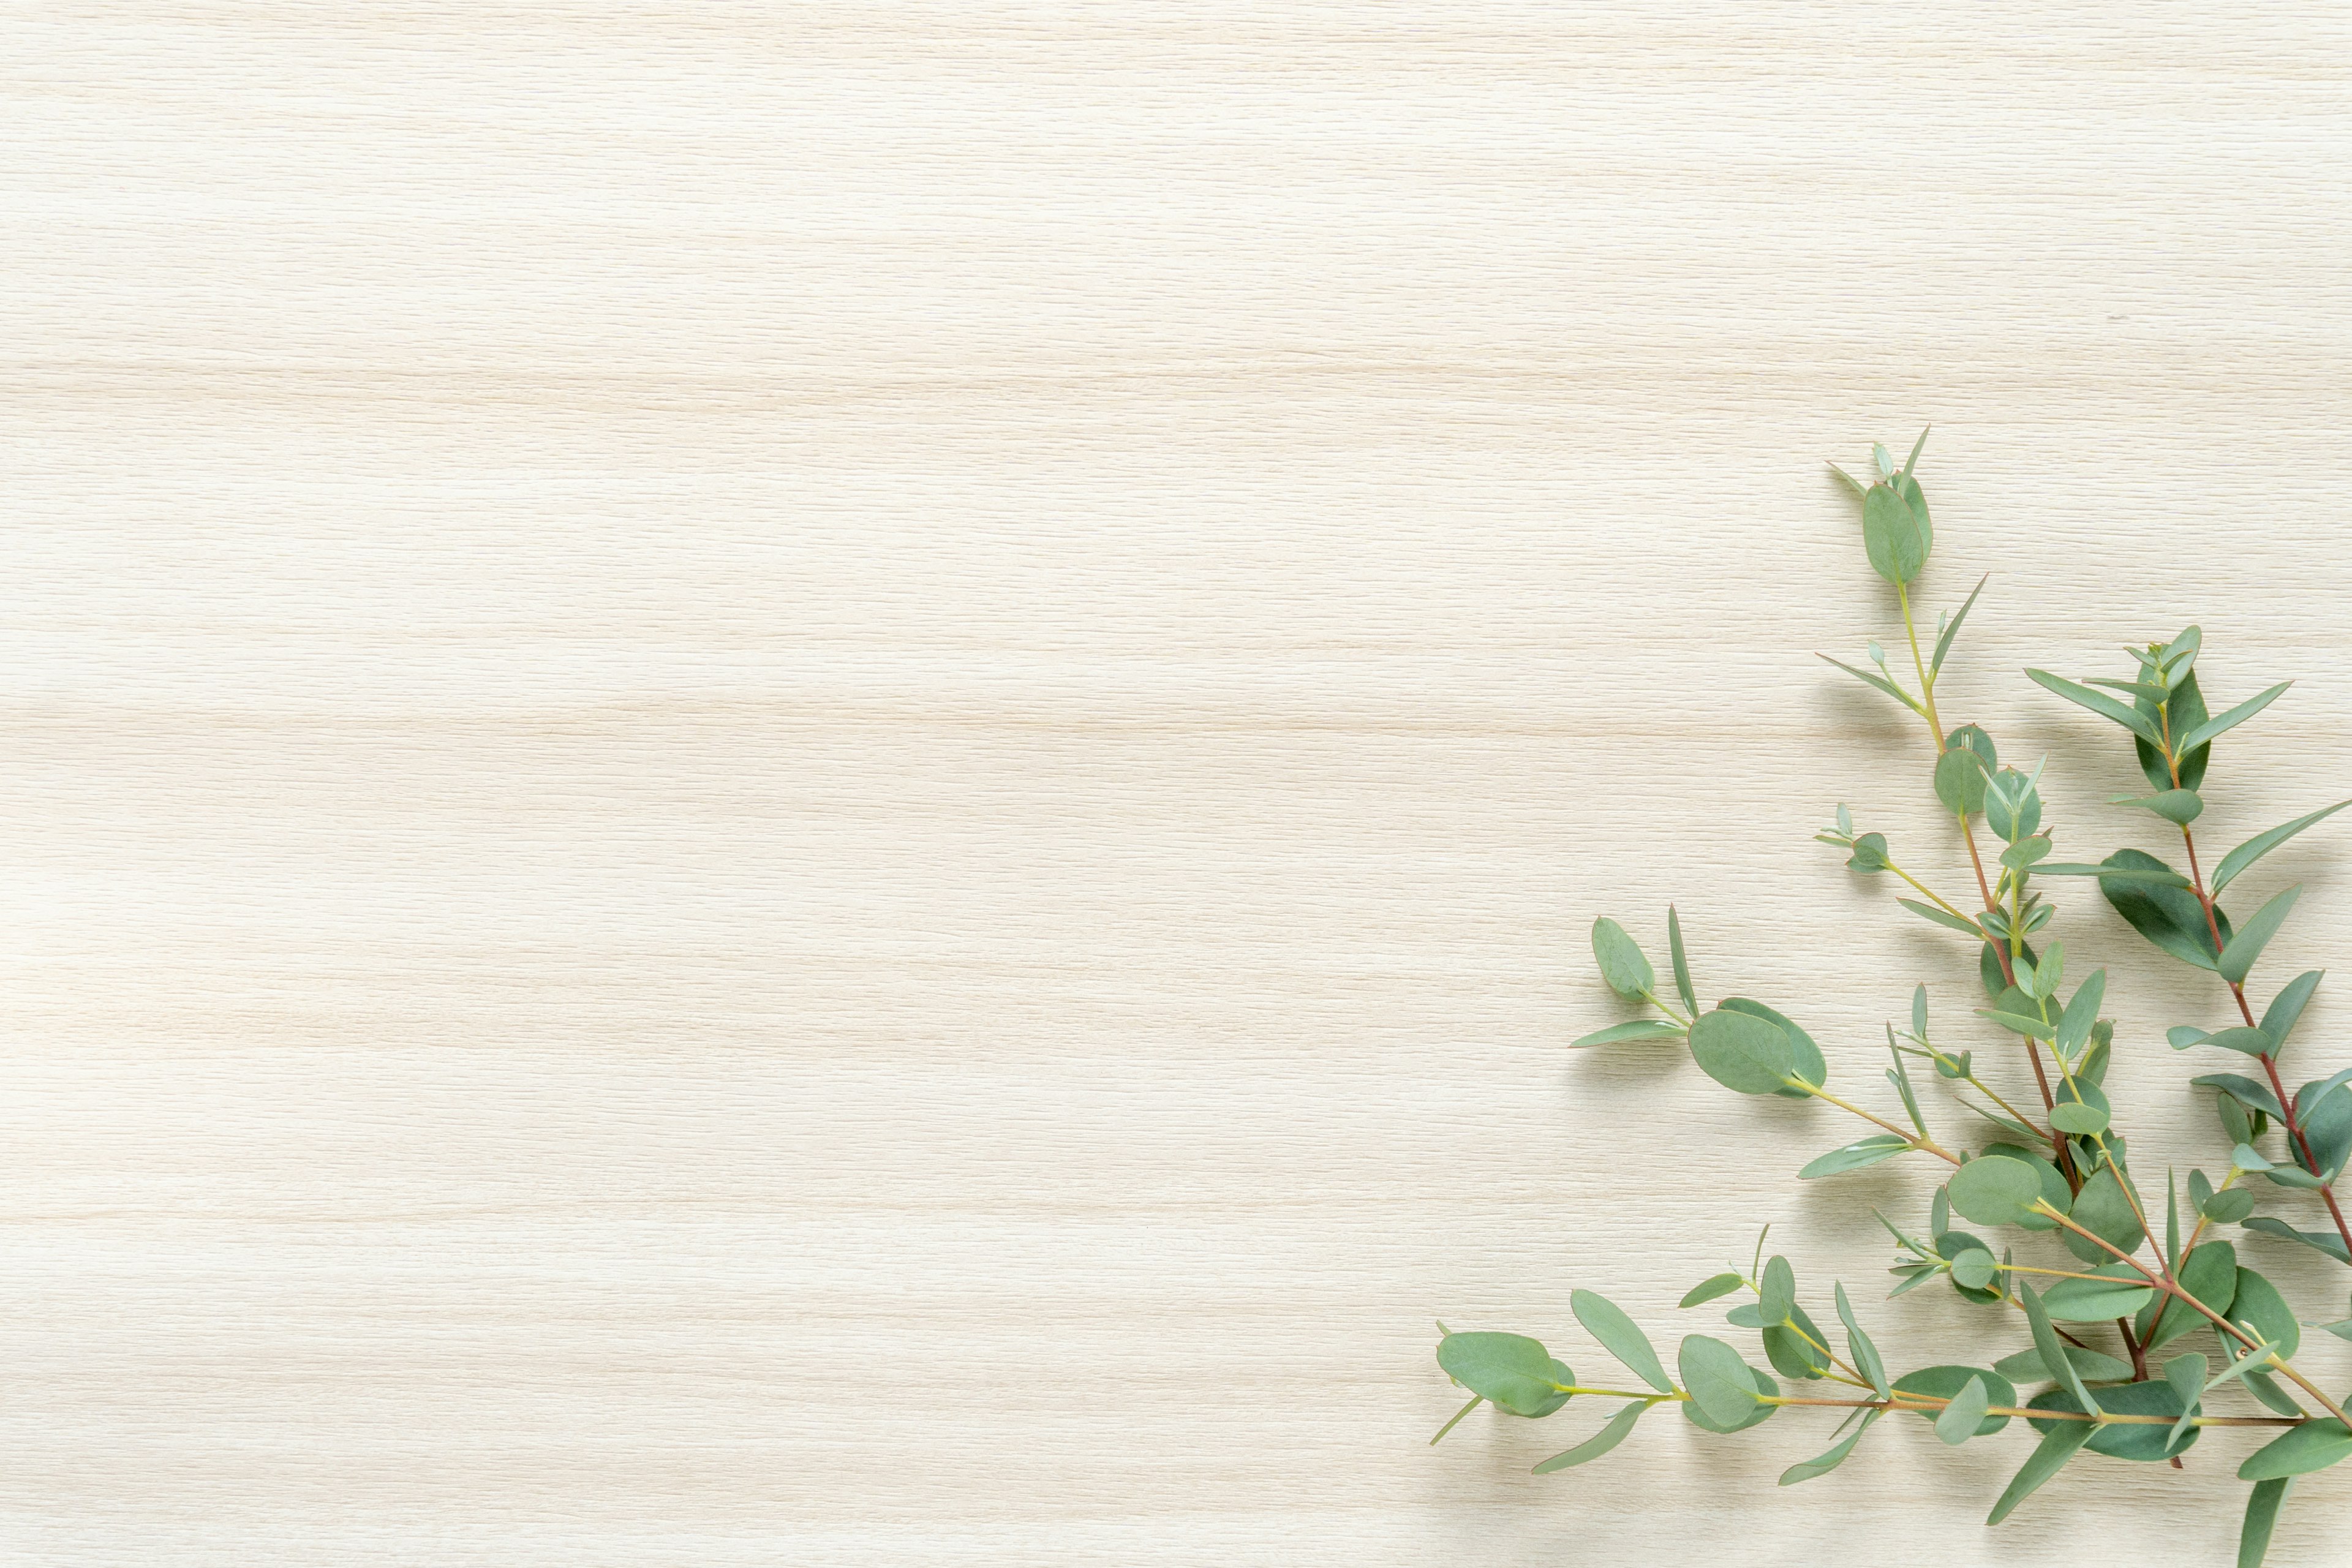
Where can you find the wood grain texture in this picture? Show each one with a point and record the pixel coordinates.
(819, 784)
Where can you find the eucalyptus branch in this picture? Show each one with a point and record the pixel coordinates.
(2065, 1177)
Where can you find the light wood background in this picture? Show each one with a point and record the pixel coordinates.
(819, 784)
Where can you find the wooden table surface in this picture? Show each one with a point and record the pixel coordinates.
(819, 784)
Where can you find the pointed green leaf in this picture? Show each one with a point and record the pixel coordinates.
(1709, 1288)
(1883, 684)
(2168, 916)
(1829, 1461)
(2074, 1023)
(2182, 807)
(2261, 843)
(1869, 1151)
(2058, 1445)
(1930, 912)
(2325, 1241)
(1619, 1337)
(1957, 1423)
(1639, 1029)
(2286, 1008)
(2250, 1042)
(2204, 734)
(2238, 958)
(2163, 876)
(2026, 1366)
(1682, 966)
(1944, 640)
(2099, 703)
(2053, 1350)
(2262, 1515)
(1866, 1359)
(2314, 1446)
(1599, 1443)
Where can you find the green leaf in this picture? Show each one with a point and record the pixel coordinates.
(2178, 805)
(1510, 1371)
(1795, 1350)
(2098, 702)
(2325, 1241)
(2251, 1042)
(2245, 1090)
(2082, 1011)
(1741, 1051)
(1919, 1011)
(2053, 1350)
(2164, 876)
(2327, 1129)
(2210, 1273)
(2012, 807)
(2080, 1119)
(1619, 1337)
(2205, 733)
(2168, 916)
(1866, 1359)
(1707, 1290)
(2104, 1209)
(1829, 1461)
(1883, 684)
(2261, 1514)
(1810, 1065)
(2298, 1451)
(2026, 1366)
(1623, 964)
(2017, 1022)
(1950, 1383)
(1892, 535)
(2261, 1311)
(1682, 966)
(2285, 1010)
(2247, 945)
(1994, 1190)
(2058, 1445)
(1957, 1423)
(2117, 1292)
(1722, 1386)
(1599, 1443)
(2229, 1207)
(1930, 912)
(2261, 843)
(1952, 628)
(2145, 1443)
(1974, 1269)
(2186, 711)
(1960, 781)
(1639, 1029)
(1869, 1151)
(2055, 1190)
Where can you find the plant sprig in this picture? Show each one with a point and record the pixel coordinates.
(2064, 1172)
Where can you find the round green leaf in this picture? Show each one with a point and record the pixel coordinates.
(1973, 1269)
(2078, 1119)
(1993, 1189)
(1742, 1051)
